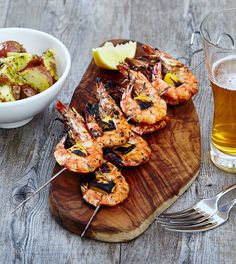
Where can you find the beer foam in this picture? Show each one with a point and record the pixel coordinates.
(224, 72)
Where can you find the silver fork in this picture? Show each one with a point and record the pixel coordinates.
(219, 218)
(198, 213)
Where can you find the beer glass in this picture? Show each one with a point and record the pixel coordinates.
(218, 31)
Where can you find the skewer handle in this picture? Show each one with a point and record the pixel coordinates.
(199, 64)
(38, 190)
(90, 220)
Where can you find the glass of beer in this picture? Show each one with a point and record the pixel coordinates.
(218, 31)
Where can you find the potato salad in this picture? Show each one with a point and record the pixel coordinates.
(24, 74)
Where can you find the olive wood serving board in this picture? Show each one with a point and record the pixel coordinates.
(154, 186)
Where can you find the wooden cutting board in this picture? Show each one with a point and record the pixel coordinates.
(174, 164)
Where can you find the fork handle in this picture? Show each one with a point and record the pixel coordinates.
(231, 204)
(226, 190)
(227, 207)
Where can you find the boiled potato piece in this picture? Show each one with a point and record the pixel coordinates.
(7, 75)
(10, 46)
(50, 63)
(27, 91)
(37, 77)
(6, 94)
(18, 61)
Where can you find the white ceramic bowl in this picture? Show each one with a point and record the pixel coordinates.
(19, 113)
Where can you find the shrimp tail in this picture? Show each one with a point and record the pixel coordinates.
(169, 62)
(100, 87)
(101, 90)
(134, 63)
(61, 108)
(157, 71)
(124, 70)
(92, 116)
(128, 91)
(92, 110)
(98, 79)
(114, 90)
(68, 113)
(151, 51)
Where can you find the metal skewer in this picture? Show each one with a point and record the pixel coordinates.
(90, 220)
(199, 64)
(38, 190)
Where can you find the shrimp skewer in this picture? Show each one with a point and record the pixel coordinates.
(92, 119)
(151, 69)
(143, 107)
(77, 152)
(106, 121)
(105, 186)
(179, 83)
(140, 101)
(135, 152)
(83, 154)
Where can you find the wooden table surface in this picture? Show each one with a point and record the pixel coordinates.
(26, 154)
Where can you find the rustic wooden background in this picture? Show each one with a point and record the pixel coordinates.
(26, 154)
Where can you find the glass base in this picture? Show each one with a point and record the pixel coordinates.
(222, 160)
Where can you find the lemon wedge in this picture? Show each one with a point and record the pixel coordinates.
(109, 56)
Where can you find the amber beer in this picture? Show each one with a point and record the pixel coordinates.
(223, 85)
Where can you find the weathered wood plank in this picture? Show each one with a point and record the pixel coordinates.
(32, 236)
(212, 245)
(170, 29)
(4, 7)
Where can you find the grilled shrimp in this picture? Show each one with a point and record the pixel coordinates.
(135, 152)
(142, 128)
(114, 129)
(151, 69)
(179, 83)
(142, 65)
(140, 101)
(77, 151)
(93, 120)
(105, 186)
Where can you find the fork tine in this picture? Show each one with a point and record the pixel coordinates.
(196, 216)
(191, 213)
(191, 229)
(196, 219)
(186, 211)
(180, 219)
(189, 224)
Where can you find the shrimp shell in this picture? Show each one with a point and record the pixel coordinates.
(118, 194)
(138, 152)
(80, 164)
(142, 128)
(109, 110)
(149, 114)
(85, 154)
(173, 95)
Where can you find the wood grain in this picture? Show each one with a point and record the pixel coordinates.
(154, 186)
(26, 154)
